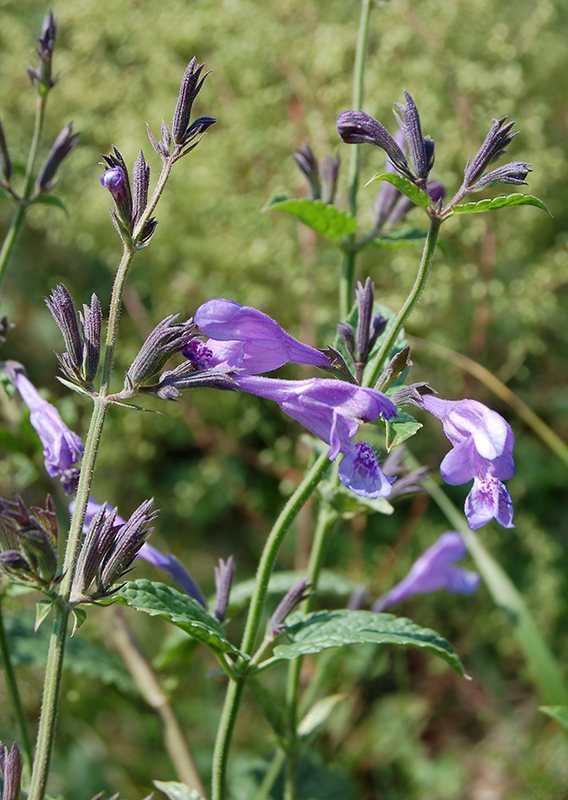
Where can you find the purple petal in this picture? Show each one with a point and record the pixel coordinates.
(61, 447)
(331, 409)
(434, 570)
(246, 339)
(174, 568)
(487, 500)
(360, 471)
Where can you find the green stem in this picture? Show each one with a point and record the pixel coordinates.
(23, 203)
(348, 269)
(13, 690)
(264, 572)
(54, 666)
(410, 302)
(49, 704)
(325, 521)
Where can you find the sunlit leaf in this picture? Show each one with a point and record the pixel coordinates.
(177, 791)
(401, 428)
(324, 629)
(503, 201)
(159, 600)
(321, 218)
(418, 197)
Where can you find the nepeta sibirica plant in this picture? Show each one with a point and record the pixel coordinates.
(354, 402)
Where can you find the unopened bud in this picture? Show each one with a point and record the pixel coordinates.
(300, 591)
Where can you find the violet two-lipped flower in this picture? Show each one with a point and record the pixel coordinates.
(245, 339)
(333, 410)
(483, 451)
(434, 570)
(62, 448)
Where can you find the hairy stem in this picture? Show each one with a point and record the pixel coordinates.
(54, 667)
(409, 303)
(264, 572)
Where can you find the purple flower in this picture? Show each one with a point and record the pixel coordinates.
(483, 451)
(333, 411)
(61, 447)
(168, 563)
(113, 179)
(434, 570)
(245, 339)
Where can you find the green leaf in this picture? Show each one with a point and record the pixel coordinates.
(43, 609)
(401, 428)
(558, 713)
(405, 186)
(177, 791)
(73, 386)
(503, 201)
(79, 617)
(318, 714)
(349, 505)
(396, 239)
(51, 200)
(321, 218)
(324, 629)
(159, 600)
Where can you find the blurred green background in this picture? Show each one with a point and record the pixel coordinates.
(220, 465)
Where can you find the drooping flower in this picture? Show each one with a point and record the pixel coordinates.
(434, 570)
(62, 448)
(483, 451)
(245, 339)
(333, 410)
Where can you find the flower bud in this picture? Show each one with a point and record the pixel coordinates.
(300, 591)
(167, 338)
(223, 582)
(10, 772)
(62, 146)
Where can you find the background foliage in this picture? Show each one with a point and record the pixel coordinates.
(220, 464)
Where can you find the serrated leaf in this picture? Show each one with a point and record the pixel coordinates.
(329, 583)
(159, 600)
(177, 791)
(401, 238)
(73, 386)
(324, 629)
(503, 201)
(43, 609)
(326, 220)
(405, 186)
(51, 200)
(558, 713)
(401, 428)
(318, 714)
